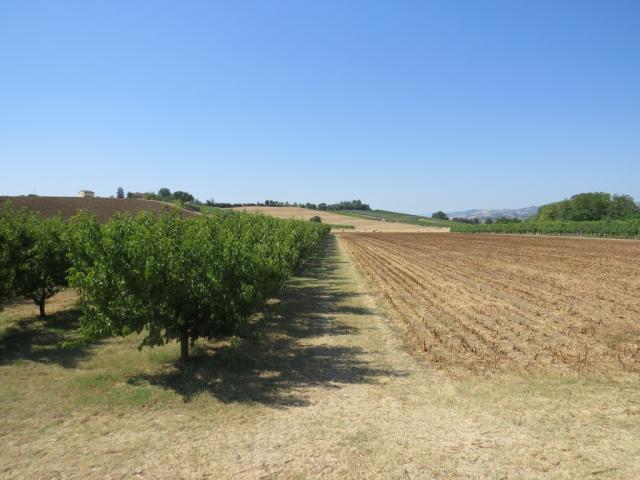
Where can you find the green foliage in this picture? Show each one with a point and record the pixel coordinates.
(623, 206)
(273, 203)
(589, 207)
(183, 196)
(344, 205)
(616, 228)
(593, 214)
(172, 278)
(6, 269)
(503, 220)
(10, 246)
(440, 215)
(188, 206)
(33, 255)
(388, 216)
(336, 226)
(474, 221)
(315, 219)
(120, 193)
(164, 193)
(347, 205)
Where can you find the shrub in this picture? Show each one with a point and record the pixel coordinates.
(183, 196)
(315, 219)
(440, 215)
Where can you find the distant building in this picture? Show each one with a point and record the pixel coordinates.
(86, 194)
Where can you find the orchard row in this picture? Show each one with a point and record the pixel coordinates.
(164, 276)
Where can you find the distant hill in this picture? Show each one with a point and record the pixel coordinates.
(103, 208)
(521, 213)
(358, 220)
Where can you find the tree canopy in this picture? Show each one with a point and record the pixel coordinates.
(440, 215)
(183, 196)
(590, 207)
(33, 255)
(173, 278)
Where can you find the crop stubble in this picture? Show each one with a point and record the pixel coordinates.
(492, 303)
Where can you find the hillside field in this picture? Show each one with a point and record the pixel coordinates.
(360, 223)
(388, 216)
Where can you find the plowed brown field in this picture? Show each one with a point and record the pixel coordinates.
(102, 208)
(483, 303)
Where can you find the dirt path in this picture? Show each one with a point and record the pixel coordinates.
(330, 392)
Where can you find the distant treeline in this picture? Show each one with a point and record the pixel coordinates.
(345, 205)
(586, 207)
(600, 228)
(591, 214)
(163, 194)
(488, 221)
(188, 201)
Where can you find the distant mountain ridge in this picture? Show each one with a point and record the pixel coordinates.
(521, 213)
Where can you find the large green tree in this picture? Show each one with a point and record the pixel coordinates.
(590, 207)
(623, 206)
(185, 197)
(42, 270)
(440, 215)
(33, 256)
(8, 249)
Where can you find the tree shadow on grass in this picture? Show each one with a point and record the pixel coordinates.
(34, 339)
(288, 352)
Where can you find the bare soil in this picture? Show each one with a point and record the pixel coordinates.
(102, 208)
(478, 303)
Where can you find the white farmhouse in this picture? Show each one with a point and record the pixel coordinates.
(86, 194)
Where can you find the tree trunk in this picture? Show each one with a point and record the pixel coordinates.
(41, 303)
(184, 346)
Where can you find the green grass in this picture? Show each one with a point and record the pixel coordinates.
(339, 225)
(389, 216)
(600, 228)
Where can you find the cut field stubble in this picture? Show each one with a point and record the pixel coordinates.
(489, 303)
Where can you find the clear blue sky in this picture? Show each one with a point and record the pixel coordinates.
(411, 106)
